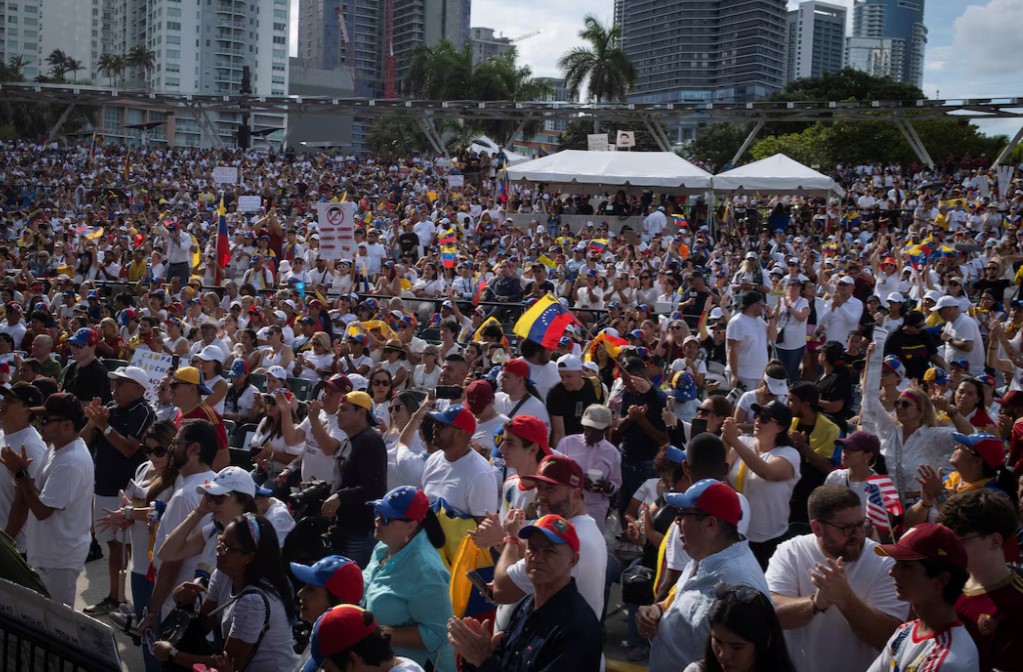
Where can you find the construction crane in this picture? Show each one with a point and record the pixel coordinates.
(524, 37)
(349, 49)
(390, 75)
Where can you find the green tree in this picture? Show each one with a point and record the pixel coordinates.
(58, 61)
(142, 59)
(847, 84)
(716, 143)
(602, 64)
(74, 66)
(397, 135)
(111, 65)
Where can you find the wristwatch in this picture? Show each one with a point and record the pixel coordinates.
(106, 432)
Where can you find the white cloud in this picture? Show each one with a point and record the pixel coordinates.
(986, 37)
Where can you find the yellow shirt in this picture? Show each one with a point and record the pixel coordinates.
(822, 438)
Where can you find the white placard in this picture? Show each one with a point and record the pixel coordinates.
(626, 139)
(156, 365)
(456, 181)
(225, 175)
(249, 203)
(597, 142)
(337, 230)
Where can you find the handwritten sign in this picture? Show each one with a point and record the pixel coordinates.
(156, 365)
(337, 230)
(249, 203)
(597, 142)
(225, 175)
(456, 181)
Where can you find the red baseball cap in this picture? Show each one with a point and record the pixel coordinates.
(709, 496)
(927, 541)
(531, 429)
(519, 367)
(340, 576)
(337, 630)
(555, 528)
(478, 395)
(558, 470)
(989, 447)
(458, 416)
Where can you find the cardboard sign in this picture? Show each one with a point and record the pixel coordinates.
(156, 365)
(456, 181)
(249, 203)
(337, 230)
(597, 142)
(225, 175)
(626, 139)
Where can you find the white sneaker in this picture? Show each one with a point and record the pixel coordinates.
(127, 608)
(121, 619)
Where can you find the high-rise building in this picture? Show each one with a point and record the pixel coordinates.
(816, 40)
(427, 22)
(20, 26)
(31, 30)
(889, 38)
(704, 50)
(487, 45)
(341, 34)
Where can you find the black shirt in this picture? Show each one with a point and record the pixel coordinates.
(635, 444)
(915, 351)
(837, 386)
(569, 406)
(88, 382)
(408, 243)
(363, 477)
(562, 635)
(113, 469)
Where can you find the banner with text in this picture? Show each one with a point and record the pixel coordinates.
(337, 230)
(156, 365)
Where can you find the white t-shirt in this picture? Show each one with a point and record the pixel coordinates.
(279, 516)
(64, 483)
(184, 500)
(316, 463)
(841, 477)
(409, 464)
(467, 484)
(243, 619)
(789, 574)
(751, 333)
(138, 560)
(951, 650)
(35, 450)
(769, 500)
(794, 330)
(503, 404)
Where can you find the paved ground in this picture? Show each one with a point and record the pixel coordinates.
(93, 587)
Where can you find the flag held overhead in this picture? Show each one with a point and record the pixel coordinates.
(545, 322)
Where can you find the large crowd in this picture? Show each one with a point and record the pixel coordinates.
(789, 426)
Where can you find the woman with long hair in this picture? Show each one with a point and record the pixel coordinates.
(250, 600)
(400, 410)
(745, 635)
(110, 344)
(969, 402)
(318, 363)
(277, 352)
(427, 373)
(209, 361)
(407, 584)
(791, 342)
(765, 468)
(394, 360)
(278, 438)
(381, 391)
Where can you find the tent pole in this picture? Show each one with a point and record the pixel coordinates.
(1008, 148)
(659, 138)
(749, 141)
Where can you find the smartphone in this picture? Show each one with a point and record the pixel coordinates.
(482, 586)
(449, 392)
(697, 426)
(270, 400)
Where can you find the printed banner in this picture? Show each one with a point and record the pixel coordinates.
(337, 230)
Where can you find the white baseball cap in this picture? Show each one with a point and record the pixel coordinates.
(132, 373)
(229, 479)
(277, 372)
(946, 302)
(570, 363)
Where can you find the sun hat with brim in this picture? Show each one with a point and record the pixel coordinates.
(191, 375)
(555, 528)
(228, 479)
(989, 447)
(927, 541)
(402, 503)
(338, 575)
(779, 387)
(711, 497)
(133, 373)
(337, 630)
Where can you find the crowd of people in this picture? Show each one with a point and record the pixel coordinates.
(790, 427)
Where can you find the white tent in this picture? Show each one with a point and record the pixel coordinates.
(484, 145)
(588, 171)
(776, 174)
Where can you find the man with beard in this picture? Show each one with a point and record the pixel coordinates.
(832, 592)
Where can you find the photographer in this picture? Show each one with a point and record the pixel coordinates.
(362, 477)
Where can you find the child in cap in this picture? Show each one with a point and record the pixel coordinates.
(348, 639)
(331, 581)
(859, 452)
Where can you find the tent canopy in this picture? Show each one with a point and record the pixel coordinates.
(590, 171)
(776, 174)
(484, 145)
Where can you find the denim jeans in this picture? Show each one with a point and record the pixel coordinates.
(360, 549)
(791, 360)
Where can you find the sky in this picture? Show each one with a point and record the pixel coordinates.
(973, 49)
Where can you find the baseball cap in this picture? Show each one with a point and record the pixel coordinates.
(478, 395)
(278, 372)
(339, 382)
(932, 294)
(894, 364)
(806, 392)
(674, 455)
(402, 503)
(779, 387)
(340, 576)
(191, 375)
(989, 447)
(557, 469)
(456, 415)
(711, 497)
(61, 405)
(364, 401)
(846, 280)
(229, 479)
(683, 386)
(132, 373)
(777, 411)
(597, 416)
(936, 374)
(896, 297)
(946, 302)
(24, 392)
(211, 353)
(518, 367)
(927, 541)
(531, 429)
(961, 363)
(751, 298)
(570, 363)
(555, 528)
(337, 630)
(239, 368)
(84, 336)
(862, 441)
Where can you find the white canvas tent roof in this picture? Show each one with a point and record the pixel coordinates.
(484, 145)
(776, 174)
(584, 171)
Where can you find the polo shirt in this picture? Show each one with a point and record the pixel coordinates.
(994, 618)
(113, 468)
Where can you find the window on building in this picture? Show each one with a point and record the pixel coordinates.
(173, 25)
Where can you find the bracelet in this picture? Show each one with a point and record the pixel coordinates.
(173, 652)
(127, 512)
(512, 540)
(108, 430)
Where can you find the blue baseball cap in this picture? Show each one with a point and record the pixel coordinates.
(84, 336)
(339, 629)
(239, 368)
(894, 364)
(402, 503)
(457, 416)
(936, 374)
(711, 497)
(340, 576)
(961, 363)
(683, 386)
(675, 455)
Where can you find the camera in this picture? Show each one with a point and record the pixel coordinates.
(309, 499)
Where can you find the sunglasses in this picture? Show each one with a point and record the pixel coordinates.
(764, 418)
(381, 383)
(158, 451)
(47, 419)
(745, 594)
(385, 521)
(902, 403)
(217, 499)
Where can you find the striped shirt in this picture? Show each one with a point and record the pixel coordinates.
(949, 650)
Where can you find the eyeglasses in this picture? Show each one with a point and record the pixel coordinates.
(745, 594)
(848, 530)
(47, 419)
(224, 549)
(903, 403)
(381, 383)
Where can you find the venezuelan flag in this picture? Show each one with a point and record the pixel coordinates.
(480, 288)
(90, 232)
(448, 253)
(448, 237)
(612, 344)
(545, 322)
(598, 245)
(223, 244)
(681, 220)
(477, 336)
(546, 261)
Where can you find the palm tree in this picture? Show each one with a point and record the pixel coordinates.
(142, 58)
(111, 65)
(74, 66)
(58, 61)
(16, 67)
(603, 64)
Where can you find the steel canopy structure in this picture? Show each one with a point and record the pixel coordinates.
(651, 115)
